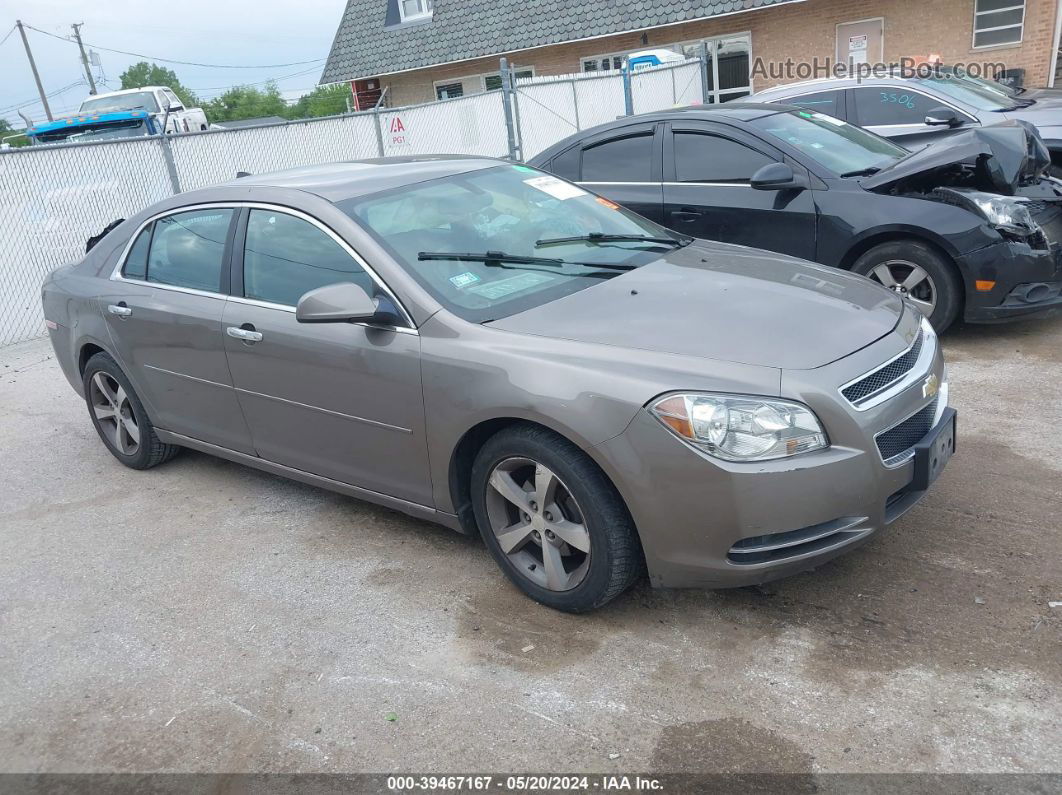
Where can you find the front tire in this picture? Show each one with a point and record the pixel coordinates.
(916, 271)
(552, 521)
(119, 417)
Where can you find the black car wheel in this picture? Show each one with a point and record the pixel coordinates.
(918, 273)
(553, 522)
(119, 417)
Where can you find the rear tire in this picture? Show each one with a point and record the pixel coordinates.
(119, 417)
(578, 549)
(918, 272)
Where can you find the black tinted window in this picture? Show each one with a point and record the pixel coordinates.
(619, 160)
(286, 257)
(566, 164)
(709, 158)
(188, 249)
(828, 102)
(136, 262)
(892, 105)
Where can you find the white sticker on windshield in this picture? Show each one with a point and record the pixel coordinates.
(464, 279)
(557, 188)
(510, 285)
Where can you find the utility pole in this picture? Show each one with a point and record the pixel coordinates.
(84, 58)
(33, 68)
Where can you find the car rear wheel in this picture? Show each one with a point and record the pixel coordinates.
(119, 417)
(551, 519)
(918, 273)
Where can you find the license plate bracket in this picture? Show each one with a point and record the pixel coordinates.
(934, 451)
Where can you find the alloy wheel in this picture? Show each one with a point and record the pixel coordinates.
(114, 413)
(909, 280)
(537, 524)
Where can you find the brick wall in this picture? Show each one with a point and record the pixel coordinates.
(798, 31)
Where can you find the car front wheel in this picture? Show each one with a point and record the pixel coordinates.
(918, 273)
(551, 519)
(119, 417)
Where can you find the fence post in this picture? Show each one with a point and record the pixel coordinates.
(171, 166)
(575, 105)
(507, 106)
(628, 93)
(379, 131)
(706, 92)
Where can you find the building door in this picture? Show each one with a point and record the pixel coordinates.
(861, 42)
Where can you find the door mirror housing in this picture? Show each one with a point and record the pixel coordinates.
(778, 176)
(943, 117)
(344, 302)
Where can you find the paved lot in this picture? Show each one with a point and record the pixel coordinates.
(204, 616)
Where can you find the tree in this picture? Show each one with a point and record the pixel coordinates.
(322, 101)
(149, 74)
(7, 130)
(246, 102)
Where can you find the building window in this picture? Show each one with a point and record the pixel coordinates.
(729, 74)
(605, 63)
(415, 9)
(449, 90)
(476, 84)
(494, 82)
(998, 22)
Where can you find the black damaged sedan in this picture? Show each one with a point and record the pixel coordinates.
(967, 227)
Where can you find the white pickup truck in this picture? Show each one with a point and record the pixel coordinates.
(156, 100)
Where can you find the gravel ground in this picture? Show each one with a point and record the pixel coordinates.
(207, 617)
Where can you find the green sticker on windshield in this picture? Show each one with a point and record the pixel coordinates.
(525, 169)
(805, 114)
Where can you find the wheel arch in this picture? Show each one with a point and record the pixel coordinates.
(876, 238)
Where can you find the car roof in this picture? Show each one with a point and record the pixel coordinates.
(354, 178)
(742, 111)
(823, 83)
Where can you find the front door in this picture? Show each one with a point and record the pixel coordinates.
(163, 311)
(339, 400)
(624, 165)
(707, 193)
(860, 42)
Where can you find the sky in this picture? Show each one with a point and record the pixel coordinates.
(224, 32)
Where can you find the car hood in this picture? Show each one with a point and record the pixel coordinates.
(1002, 158)
(724, 302)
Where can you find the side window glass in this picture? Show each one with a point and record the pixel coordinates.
(285, 257)
(891, 105)
(626, 159)
(709, 158)
(828, 102)
(566, 164)
(136, 263)
(188, 249)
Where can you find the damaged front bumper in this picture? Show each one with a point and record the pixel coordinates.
(1026, 281)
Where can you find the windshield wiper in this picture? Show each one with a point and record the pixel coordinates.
(501, 259)
(600, 237)
(863, 172)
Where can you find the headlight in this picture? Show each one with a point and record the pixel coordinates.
(1009, 216)
(739, 427)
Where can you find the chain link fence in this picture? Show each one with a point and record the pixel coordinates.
(53, 198)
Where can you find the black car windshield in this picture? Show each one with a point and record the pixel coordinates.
(131, 101)
(507, 211)
(969, 92)
(839, 146)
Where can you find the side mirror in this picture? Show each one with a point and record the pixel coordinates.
(778, 176)
(344, 302)
(943, 117)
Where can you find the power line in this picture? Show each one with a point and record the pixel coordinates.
(183, 63)
(36, 100)
(7, 35)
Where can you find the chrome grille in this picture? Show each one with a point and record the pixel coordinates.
(895, 443)
(885, 376)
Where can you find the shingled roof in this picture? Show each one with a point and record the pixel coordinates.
(366, 45)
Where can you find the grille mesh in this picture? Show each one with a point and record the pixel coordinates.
(907, 434)
(891, 372)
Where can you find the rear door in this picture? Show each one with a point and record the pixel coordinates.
(340, 400)
(899, 112)
(707, 169)
(624, 165)
(164, 310)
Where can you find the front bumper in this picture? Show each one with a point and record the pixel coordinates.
(1027, 282)
(714, 524)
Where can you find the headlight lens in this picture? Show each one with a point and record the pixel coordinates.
(739, 427)
(1006, 214)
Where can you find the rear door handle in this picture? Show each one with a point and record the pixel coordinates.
(119, 309)
(247, 335)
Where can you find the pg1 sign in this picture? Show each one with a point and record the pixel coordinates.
(397, 135)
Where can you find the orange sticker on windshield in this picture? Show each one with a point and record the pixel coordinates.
(607, 203)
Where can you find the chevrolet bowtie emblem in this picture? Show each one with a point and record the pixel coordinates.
(931, 386)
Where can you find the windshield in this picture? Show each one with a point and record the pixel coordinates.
(837, 145)
(505, 209)
(970, 92)
(138, 99)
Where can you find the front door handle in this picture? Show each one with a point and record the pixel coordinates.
(245, 334)
(120, 309)
(686, 215)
